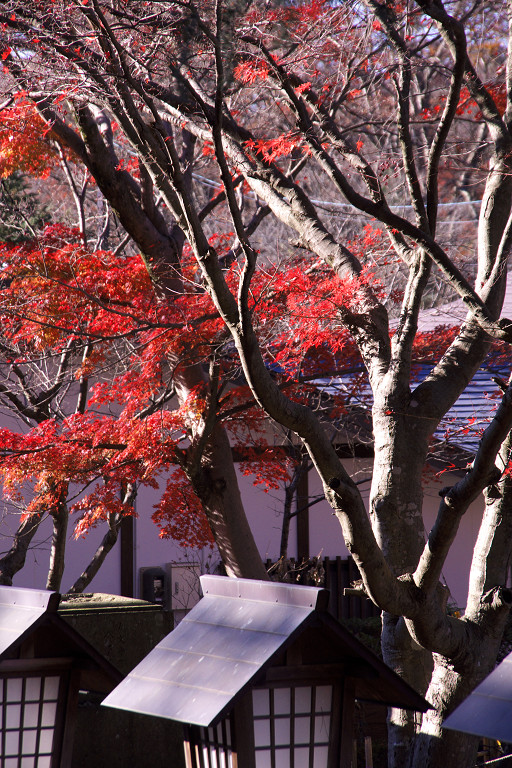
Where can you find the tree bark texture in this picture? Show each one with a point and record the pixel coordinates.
(443, 656)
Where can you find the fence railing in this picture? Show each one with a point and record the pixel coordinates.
(336, 575)
(340, 574)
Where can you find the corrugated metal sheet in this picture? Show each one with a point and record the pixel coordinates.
(216, 651)
(463, 424)
(228, 639)
(20, 609)
(468, 418)
(488, 710)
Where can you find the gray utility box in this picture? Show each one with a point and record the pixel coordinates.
(175, 586)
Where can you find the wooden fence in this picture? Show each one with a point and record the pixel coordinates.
(335, 574)
(341, 573)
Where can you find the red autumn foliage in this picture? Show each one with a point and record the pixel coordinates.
(272, 149)
(59, 298)
(24, 141)
(251, 71)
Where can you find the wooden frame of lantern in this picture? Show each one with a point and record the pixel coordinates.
(302, 717)
(262, 677)
(36, 705)
(43, 664)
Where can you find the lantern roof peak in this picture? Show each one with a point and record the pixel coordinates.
(241, 634)
(297, 595)
(31, 627)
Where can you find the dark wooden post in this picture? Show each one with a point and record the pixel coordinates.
(127, 552)
(347, 723)
(303, 517)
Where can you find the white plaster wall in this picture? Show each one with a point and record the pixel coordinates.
(264, 512)
(458, 562)
(78, 555)
(325, 534)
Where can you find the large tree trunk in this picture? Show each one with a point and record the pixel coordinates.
(60, 516)
(434, 746)
(213, 476)
(14, 560)
(216, 484)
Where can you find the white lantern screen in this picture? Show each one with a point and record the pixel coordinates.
(216, 747)
(292, 726)
(28, 713)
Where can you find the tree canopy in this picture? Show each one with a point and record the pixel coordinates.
(392, 115)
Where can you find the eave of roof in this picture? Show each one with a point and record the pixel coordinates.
(227, 642)
(27, 613)
(487, 711)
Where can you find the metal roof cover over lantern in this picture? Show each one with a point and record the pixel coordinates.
(260, 671)
(487, 711)
(44, 662)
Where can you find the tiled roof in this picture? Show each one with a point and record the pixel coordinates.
(463, 425)
(465, 421)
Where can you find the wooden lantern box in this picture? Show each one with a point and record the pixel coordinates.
(262, 677)
(43, 664)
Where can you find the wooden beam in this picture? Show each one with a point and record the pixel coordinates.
(347, 724)
(303, 517)
(314, 674)
(127, 556)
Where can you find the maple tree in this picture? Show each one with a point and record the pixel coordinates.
(91, 310)
(101, 419)
(396, 111)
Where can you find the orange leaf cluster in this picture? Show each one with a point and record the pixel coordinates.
(58, 297)
(272, 149)
(249, 72)
(180, 515)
